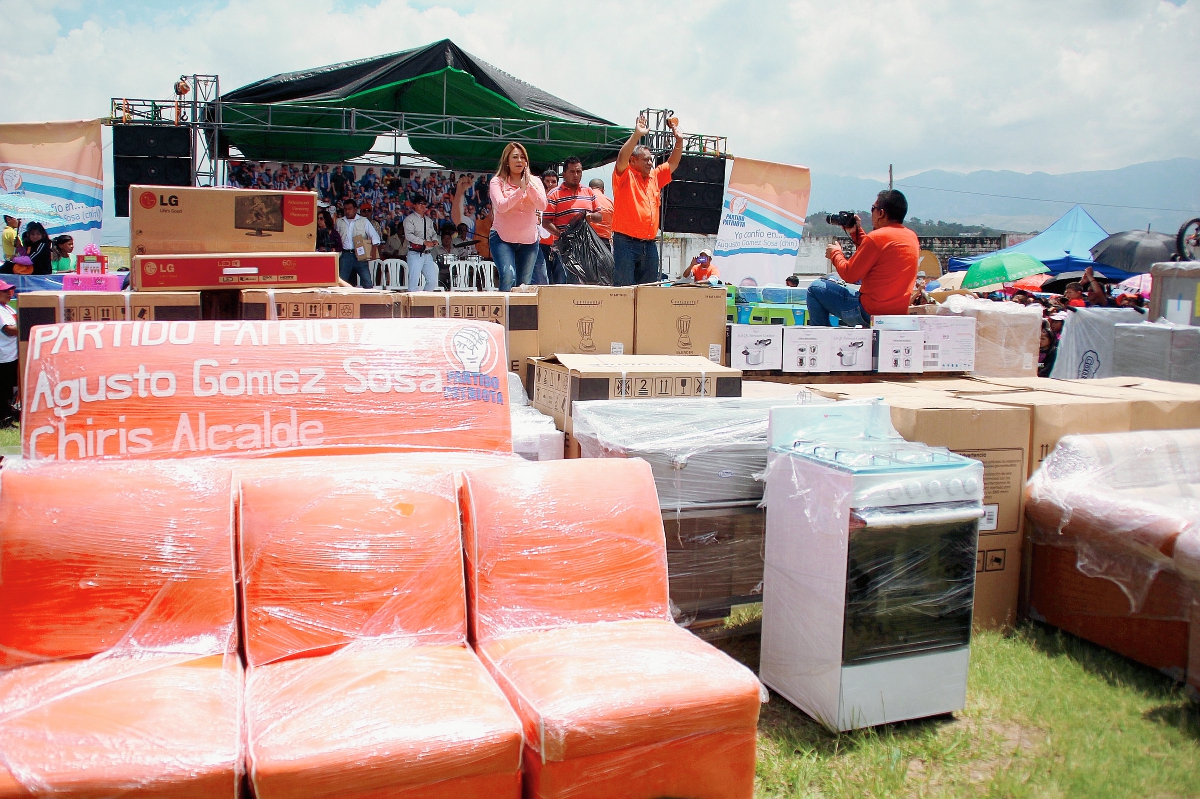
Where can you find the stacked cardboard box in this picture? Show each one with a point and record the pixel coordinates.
(335, 303)
(680, 320)
(517, 312)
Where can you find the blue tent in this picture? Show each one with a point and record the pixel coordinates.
(1065, 246)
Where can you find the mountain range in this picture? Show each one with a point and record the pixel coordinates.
(1161, 194)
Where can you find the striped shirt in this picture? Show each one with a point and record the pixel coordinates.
(563, 204)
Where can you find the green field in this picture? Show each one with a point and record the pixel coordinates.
(1048, 715)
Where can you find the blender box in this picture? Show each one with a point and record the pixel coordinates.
(680, 320)
(807, 349)
(755, 347)
(898, 351)
(172, 220)
(850, 349)
(588, 320)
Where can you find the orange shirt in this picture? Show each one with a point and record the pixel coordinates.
(636, 203)
(885, 267)
(604, 205)
(701, 273)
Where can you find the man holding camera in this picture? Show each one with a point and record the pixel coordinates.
(884, 265)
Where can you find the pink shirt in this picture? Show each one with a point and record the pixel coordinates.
(515, 210)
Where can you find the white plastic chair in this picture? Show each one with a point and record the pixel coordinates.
(377, 269)
(485, 271)
(397, 269)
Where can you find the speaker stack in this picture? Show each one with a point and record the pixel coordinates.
(691, 202)
(150, 155)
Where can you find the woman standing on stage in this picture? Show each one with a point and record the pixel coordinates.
(516, 201)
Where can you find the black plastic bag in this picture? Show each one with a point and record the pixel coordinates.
(584, 254)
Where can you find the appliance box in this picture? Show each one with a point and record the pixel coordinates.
(714, 556)
(341, 303)
(850, 349)
(234, 271)
(898, 351)
(680, 320)
(755, 347)
(588, 320)
(949, 342)
(807, 349)
(516, 311)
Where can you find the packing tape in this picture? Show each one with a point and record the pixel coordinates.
(272, 311)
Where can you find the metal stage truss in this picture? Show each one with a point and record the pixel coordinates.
(208, 117)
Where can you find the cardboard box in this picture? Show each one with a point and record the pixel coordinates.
(1164, 352)
(234, 271)
(91, 264)
(680, 320)
(169, 220)
(517, 312)
(555, 383)
(807, 349)
(715, 557)
(51, 307)
(949, 343)
(755, 347)
(318, 304)
(851, 349)
(588, 320)
(1175, 292)
(898, 351)
(997, 436)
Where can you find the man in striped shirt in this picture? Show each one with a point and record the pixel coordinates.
(565, 204)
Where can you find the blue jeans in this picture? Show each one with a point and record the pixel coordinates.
(422, 263)
(634, 260)
(541, 269)
(514, 262)
(826, 298)
(349, 266)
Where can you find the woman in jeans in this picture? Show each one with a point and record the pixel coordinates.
(516, 201)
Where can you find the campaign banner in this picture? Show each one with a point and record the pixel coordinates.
(60, 163)
(762, 222)
(177, 389)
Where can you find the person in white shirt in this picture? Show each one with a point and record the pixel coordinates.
(8, 355)
(360, 243)
(421, 234)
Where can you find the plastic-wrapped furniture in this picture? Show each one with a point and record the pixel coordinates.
(1007, 335)
(1161, 350)
(360, 680)
(567, 590)
(1086, 348)
(119, 674)
(1116, 545)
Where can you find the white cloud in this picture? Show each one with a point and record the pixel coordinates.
(845, 87)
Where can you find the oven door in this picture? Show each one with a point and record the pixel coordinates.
(910, 585)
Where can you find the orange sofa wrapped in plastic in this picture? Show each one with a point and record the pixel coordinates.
(360, 682)
(118, 664)
(567, 589)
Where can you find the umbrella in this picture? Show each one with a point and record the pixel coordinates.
(953, 282)
(1138, 284)
(29, 209)
(1031, 283)
(1002, 268)
(1134, 250)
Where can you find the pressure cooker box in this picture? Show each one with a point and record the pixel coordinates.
(758, 347)
(850, 349)
(807, 349)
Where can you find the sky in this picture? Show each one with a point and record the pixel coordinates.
(845, 88)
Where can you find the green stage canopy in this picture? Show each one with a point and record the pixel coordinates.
(455, 109)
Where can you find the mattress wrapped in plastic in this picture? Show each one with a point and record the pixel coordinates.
(185, 389)
(1085, 348)
(1160, 350)
(360, 682)
(567, 585)
(1007, 334)
(119, 672)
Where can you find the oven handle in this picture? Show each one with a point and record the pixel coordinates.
(882, 518)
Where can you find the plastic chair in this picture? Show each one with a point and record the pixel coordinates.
(397, 274)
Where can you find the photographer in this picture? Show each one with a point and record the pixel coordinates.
(884, 266)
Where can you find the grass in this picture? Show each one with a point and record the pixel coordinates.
(1048, 715)
(10, 437)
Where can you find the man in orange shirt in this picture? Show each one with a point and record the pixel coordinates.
(637, 187)
(603, 228)
(884, 265)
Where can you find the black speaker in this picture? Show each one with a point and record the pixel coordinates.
(691, 220)
(121, 196)
(168, 141)
(129, 171)
(685, 194)
(700, 169)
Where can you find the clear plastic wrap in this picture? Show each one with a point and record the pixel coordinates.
(567, 585)
(118, 665)
(714, 559)
(1173, 291)
(360, 682)
(182, 389)
(1085, 348)
(1007, 334)
(535, 436)
(1160, 350)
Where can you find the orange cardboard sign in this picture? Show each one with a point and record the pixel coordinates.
(173, 389)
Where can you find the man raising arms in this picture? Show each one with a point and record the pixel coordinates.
(637, 189)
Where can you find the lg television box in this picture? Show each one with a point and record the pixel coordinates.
(898, 351)
(172, 220)
(51, 307)
(851, 349)
(680, 320)
(588, 320)
(755, 347)
(807, 349)
(341, 303)
(555, 383)
(234, 271)
(517, 312)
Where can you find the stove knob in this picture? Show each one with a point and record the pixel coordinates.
(955, 487)
(972, 485)
(934, 488)
(913, 489)
(894, 492)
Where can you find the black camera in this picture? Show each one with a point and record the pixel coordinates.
(842, 219)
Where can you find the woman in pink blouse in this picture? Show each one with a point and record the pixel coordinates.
(516, 201)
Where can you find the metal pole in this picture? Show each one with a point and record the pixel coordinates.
(889, 177)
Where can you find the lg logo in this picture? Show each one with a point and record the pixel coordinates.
(149, 199)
